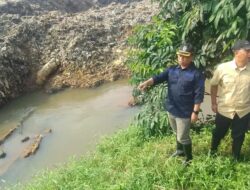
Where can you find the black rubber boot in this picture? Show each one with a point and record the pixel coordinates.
(236, 148)
(214, 145)
(179, 150)
(188, 153)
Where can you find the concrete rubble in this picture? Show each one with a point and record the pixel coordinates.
(33, 147)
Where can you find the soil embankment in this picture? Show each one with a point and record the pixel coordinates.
(70, 43)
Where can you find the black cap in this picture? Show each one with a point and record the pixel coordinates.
(185, 49)
(241, 44)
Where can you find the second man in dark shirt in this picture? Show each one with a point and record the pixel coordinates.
(185, 95)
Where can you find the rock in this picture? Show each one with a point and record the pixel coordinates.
(25, 139)
(48, 131)
(2, 154)
(46, 70)
(30, 150)
(132, 102)
(7, 135)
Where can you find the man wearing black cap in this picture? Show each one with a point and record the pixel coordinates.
(185, 94)
(231, 82)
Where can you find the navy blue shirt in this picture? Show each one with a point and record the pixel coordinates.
(185, 88)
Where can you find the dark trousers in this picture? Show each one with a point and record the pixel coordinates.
(238, 127)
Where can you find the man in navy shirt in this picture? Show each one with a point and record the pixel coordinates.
(185, 95)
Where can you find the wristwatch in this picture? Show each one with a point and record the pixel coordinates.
(196, 112)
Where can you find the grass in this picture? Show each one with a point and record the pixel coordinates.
(126, 161)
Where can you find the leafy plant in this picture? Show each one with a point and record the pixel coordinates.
(211, 25)
(153, 117)
(153, 48)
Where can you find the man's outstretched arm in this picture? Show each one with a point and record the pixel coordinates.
(143, 86)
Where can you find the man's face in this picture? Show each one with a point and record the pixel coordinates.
(242, 55)
(184, 60)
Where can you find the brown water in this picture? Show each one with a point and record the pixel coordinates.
(78, 119)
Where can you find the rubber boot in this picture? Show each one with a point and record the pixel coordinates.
(236, 148)
(179, 150)
(188, 153)
(214, 145)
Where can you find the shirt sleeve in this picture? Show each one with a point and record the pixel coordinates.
(199, 87)
(216, 77)
(162, 77)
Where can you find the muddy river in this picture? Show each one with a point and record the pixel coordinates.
(78, 119)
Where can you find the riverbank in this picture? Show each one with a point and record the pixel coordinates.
(127, 161)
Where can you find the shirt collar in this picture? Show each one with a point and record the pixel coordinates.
(189, 66)
(234, 65)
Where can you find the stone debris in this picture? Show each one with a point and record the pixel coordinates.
(132, 101)
(45, 71)
(25, 139)
(6, 135)
(2, 154)
(34, 146)
(30, 150)
(48, 131)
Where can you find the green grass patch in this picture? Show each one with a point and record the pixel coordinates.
(126, 161)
